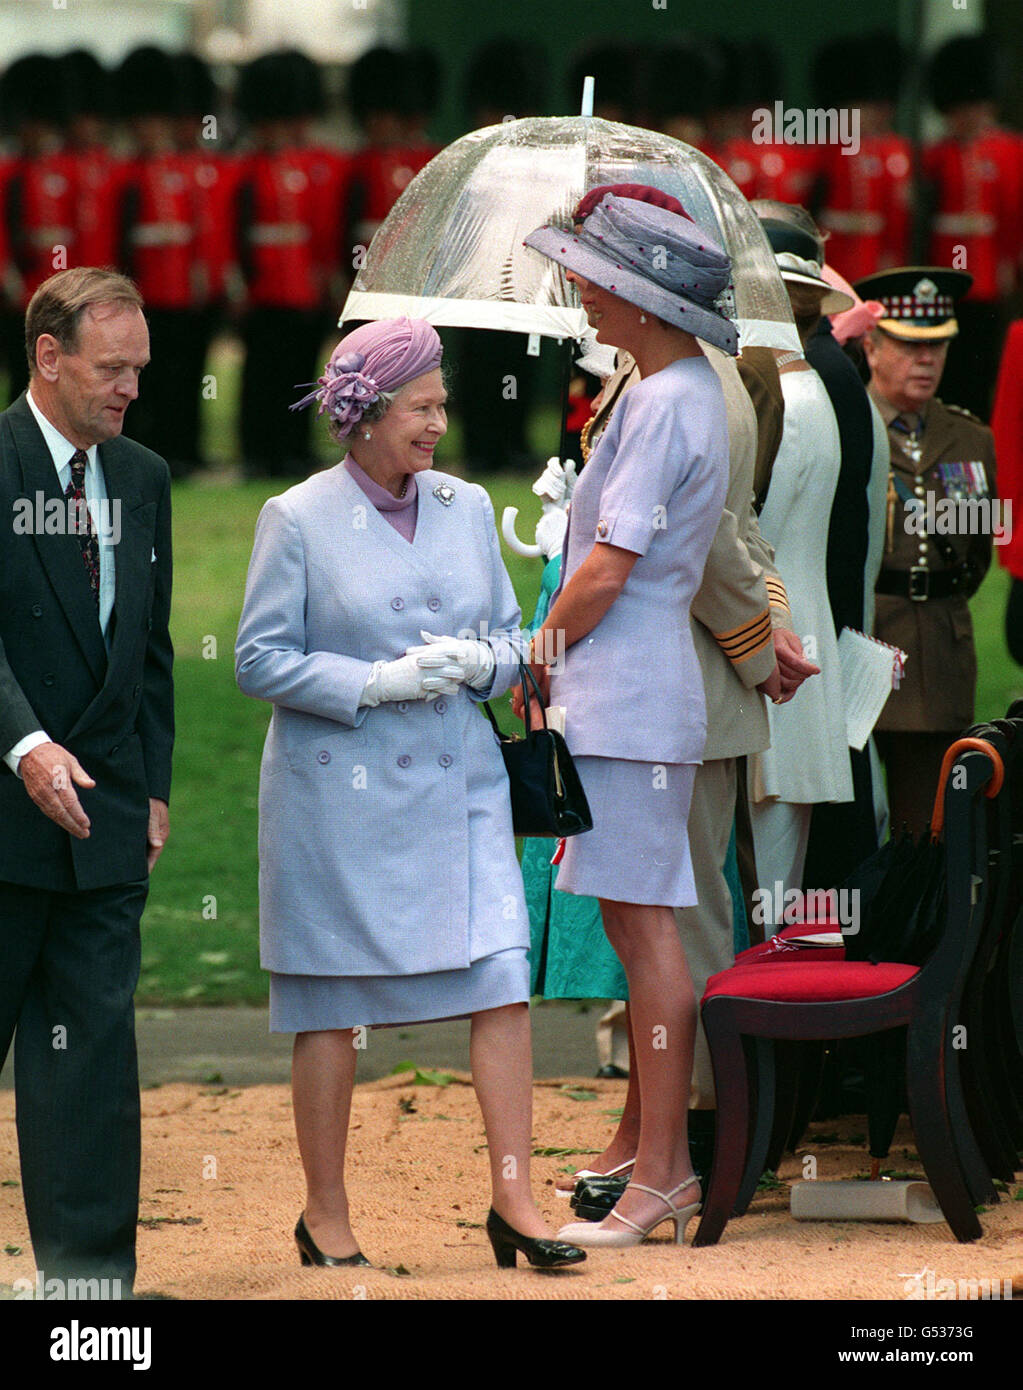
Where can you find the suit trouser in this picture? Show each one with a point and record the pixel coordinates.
(70, 967)
(706, 929)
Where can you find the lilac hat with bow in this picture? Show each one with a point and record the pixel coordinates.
(377, 357)
(653, 258)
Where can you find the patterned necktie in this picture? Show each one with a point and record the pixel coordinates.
(84, 527)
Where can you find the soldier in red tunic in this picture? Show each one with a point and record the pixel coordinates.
(329, 170)
(389, 93)
(157, 241)
(277, 255)
(98, 172)
(744, 137)
(38, 195)
(976, 178)
(863, 200)
(212, 174)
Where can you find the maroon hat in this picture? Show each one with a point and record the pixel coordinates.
(641, 192)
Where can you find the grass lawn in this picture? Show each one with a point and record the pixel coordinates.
(200, 932)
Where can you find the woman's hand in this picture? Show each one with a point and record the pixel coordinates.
(473, 658)
(543, 680)
(410, 678)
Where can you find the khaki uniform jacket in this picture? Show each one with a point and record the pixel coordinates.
(937, 688)
(741, 598)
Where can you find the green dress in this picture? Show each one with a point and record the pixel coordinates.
(570, 956)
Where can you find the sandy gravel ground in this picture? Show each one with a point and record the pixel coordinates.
(222, 1188)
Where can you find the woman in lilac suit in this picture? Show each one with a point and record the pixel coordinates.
(644, 513)
(388, 884)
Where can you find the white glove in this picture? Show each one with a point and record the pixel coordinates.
(474, 660)
(550, 530)
(409, 679)
(556, 482)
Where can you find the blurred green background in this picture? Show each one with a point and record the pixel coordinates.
(200, 931)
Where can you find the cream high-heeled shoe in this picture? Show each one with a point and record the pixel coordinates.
(584, 1233)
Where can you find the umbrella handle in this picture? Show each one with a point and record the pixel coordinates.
(511, 540)
(992, 789)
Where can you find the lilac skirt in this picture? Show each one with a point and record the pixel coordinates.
(638, 849)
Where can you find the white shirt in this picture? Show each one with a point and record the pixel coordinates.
(62, 451)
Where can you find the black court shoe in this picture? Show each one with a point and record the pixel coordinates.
(541, 1253)
(593, 1198)
(311, 1253)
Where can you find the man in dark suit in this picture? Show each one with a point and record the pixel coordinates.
(86, 730)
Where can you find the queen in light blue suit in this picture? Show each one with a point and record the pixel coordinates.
(378, 613)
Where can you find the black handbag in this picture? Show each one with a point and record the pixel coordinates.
(547, 796)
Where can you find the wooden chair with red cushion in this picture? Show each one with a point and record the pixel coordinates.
(821, 1000)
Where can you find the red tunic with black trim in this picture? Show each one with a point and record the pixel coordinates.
(39, 206)
(380, 176)
(867, 205)
(158, 232)
(99, 178)
(786, 173)
(978, 218)
(330, 174)
(275, 239)
(214, 179)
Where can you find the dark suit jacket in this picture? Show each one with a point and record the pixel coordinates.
(116, 714)
(848, 530)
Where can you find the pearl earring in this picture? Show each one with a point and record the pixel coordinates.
(366, 434)
(642, 318)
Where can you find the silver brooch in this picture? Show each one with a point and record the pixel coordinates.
(444, 494)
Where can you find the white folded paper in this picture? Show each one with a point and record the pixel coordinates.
(868, 671)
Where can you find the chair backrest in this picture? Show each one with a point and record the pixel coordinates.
(972, 777)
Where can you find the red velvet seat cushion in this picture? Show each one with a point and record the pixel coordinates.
(815, 982)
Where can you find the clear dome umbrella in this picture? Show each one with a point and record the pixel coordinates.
(451, 249)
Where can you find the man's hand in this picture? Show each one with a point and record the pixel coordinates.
(793, 667)
(48, 772)
(772, 686)
(159, 829)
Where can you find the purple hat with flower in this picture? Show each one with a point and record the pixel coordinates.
(376, 357)
(655, 259)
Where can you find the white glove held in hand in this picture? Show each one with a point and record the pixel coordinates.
(550, 531)
(409, 679)
(556, 482)
(474, 660)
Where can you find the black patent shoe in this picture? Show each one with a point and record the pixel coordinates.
(598, 1187)
(541, 1253)
(311, 1254)
(594, 1198)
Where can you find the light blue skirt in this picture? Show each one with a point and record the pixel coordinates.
(315, 1003)
(638, 849)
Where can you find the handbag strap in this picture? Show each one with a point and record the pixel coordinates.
(524, 674)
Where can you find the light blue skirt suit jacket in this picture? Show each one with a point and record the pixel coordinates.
(389, 887)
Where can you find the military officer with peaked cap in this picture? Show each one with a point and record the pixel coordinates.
(935, 555)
